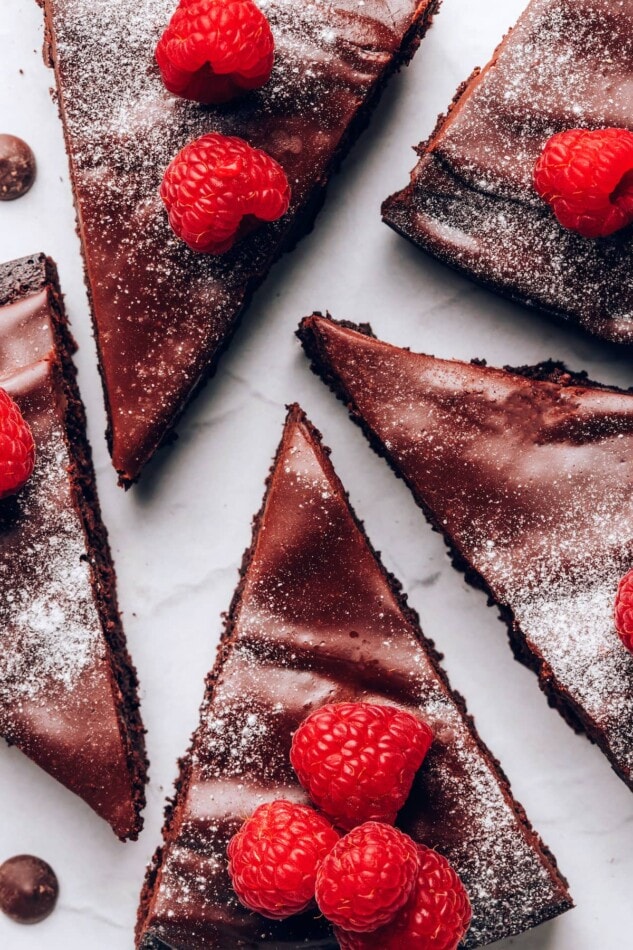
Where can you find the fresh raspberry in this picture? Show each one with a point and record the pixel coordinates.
(274, 858)
(17, 449)
(624, 611)
(587, 179)
(217, 188)
(367, 877)
(357, 761)
(213, 50)
(436, 916)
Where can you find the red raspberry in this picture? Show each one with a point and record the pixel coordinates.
(587, 179)
(357, 761)
(274, 858)
(217, 187)
(17, 449)
(213, 50)
(624, 611)
(436, 917)
(367, 877)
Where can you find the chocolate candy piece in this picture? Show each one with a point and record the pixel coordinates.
(17, 167)
(28, 889)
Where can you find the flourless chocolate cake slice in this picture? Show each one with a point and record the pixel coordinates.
(162, 313)
(68, 690)
(528, 473)
(471, 202)
(317, 619)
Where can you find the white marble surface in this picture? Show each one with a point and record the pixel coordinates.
(178, 538)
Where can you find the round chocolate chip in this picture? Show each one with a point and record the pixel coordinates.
(17, 167)
(28, 889)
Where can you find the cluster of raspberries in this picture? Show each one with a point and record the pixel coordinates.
(378, 888)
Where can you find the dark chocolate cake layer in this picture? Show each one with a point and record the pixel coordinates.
(316, 619)
(68, 690)
(529, 475)
(162, 313)
(471, 203)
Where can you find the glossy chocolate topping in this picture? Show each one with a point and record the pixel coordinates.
(28, 889)
(567, 64)
(530, 478)
(17, 167)
(316, 619)
(162, 312)
(67, 688)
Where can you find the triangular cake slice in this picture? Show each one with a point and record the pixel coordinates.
(471, 202)
(317, 619)
(529, 475)
(68, 690)
(163, 314)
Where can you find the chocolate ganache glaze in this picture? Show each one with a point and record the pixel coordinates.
(470, 202)
(529, 476)
(162, 313)
(316, 619)
(68, 691)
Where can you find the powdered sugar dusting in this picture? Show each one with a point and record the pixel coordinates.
(163, 311)
(48, 614)
(559, 570)
(241, 758)
(531, 479)
(472, 202)
(318, 623)
(566, 65)
(567, 617)
(122, 102)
